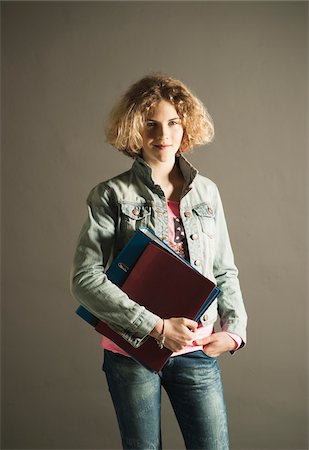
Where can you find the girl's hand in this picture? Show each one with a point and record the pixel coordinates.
(178, 332)
(217, 343)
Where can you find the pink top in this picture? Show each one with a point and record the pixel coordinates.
(177, 240)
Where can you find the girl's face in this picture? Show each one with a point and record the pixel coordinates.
(162, 134)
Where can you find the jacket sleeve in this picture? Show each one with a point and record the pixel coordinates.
(231, 309)
(89, 283)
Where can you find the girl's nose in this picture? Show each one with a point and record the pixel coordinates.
(163, 131)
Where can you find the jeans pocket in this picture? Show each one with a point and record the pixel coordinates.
(199, 354)
(208, 356)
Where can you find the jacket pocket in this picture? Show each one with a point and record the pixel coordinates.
(206, 216)
(134, 216)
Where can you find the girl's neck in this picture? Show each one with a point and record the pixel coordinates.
(162, 174)
(170, 179)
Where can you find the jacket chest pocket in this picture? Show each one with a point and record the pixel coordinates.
(206, 216)
(134, 216)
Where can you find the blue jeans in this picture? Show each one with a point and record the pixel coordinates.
(193, 385)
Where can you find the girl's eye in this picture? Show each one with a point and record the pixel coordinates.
(171, 123)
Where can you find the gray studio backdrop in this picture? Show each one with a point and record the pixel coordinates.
(64, 65)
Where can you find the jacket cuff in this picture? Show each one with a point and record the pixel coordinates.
(237, 339)
(139, 331)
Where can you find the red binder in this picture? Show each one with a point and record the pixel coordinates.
(168, 287)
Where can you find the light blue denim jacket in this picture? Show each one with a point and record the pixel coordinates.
(116, 208)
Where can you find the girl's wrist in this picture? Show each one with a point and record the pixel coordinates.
(161, 339)
(157, 331)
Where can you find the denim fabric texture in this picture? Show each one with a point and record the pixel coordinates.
(193, 385)
(116, 208)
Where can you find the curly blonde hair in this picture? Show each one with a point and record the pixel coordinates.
(128, 118)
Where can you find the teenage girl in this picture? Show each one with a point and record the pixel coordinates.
(156, 122)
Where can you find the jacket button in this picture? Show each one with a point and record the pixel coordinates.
(135, 211)
(188, 214)
(197, 262)
(205, 317)
(194, 236)
(210, 210)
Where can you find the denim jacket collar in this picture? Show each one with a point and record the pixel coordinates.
(143, 170)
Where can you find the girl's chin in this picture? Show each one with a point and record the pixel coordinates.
(160, 156)
(165, 158)
(164, 153)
